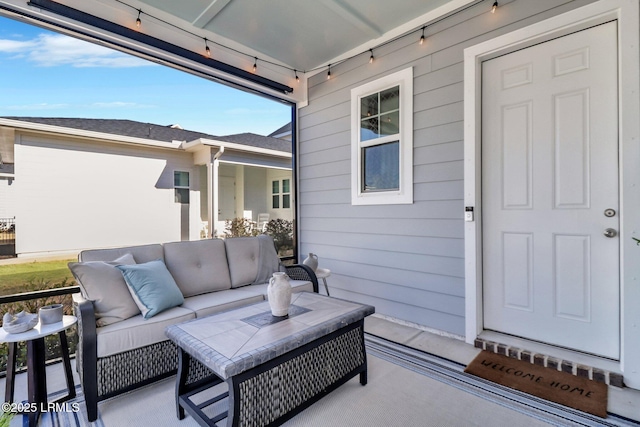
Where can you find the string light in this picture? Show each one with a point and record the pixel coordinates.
(255, 63)
(494, 7)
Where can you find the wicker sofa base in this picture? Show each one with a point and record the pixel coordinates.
(277, 390)
(123, 372)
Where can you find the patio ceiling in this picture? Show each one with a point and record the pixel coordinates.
(302, 34)
(283, 37)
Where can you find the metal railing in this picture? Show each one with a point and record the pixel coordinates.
(7, 230)
(31, 301)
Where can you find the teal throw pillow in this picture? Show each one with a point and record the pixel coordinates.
(152, 287)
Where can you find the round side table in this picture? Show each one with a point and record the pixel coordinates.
(36, 373)
(323, 273)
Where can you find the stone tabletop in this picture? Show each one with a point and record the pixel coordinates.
(234, 341)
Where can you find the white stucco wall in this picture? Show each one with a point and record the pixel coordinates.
(77, 194)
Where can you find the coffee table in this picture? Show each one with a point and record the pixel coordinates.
(274, 367)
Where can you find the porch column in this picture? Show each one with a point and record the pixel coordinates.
(213, 205)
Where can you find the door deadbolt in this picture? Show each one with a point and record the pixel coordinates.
(610, 232)
(609, 213)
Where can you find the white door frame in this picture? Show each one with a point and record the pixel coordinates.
(626, 13)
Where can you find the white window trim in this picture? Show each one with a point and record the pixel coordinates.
(404, 195)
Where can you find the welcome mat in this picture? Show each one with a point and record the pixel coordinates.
(557, 386)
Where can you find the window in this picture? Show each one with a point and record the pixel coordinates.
(382, 141)
(181, 186)
(277, 196)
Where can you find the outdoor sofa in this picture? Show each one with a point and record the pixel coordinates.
(121, 322)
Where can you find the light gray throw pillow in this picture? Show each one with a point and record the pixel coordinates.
(103, 284)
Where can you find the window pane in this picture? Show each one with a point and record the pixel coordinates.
(182, 195)
(275, 187)
(369, 129)
(180, 179)
(286, 201)
(390, 99)
(381, 168)
(285, 186)
(369, 106)
(275, 201)
(389, 124)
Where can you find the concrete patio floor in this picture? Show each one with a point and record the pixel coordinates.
(623, 402)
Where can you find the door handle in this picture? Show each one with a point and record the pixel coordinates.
(610, 232)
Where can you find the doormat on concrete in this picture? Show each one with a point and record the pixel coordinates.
(557, 386)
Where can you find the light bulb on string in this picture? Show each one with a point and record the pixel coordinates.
(138, 21)
(371, 58)
(422, 37)
(494, 7)
(206, 48)
(296, 74)
(255, 64)
(329, 72)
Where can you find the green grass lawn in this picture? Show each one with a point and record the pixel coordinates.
(31, 276)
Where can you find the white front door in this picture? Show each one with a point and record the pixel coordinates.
(550, 192)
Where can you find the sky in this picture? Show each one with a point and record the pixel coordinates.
(46, 74)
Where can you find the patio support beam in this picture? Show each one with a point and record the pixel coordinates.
(354, 18)
(158, 44)
(210, 13)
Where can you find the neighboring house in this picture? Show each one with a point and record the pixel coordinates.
(83, 183)
(503, 196)
(285, 132)
(7, 193)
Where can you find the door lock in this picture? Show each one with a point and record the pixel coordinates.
(610, 232)
(609, 213)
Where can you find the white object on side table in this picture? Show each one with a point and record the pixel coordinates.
(323, 273)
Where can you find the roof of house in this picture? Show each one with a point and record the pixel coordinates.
(257, 141)
(155, 132)
(283, 130)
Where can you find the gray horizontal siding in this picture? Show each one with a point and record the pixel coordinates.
(407, 260)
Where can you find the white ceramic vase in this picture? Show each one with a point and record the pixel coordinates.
(279, 293)
(311, 261)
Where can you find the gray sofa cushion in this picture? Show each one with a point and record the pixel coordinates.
(252, 260)
(242, 255)
(215, 302)
(102, 283)
(144, 253)
(198, 266)
(137, 332)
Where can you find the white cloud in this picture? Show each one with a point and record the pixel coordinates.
(14, 46)
(50, 50)
(119, 104)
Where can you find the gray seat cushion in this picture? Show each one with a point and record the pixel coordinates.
(215, 302)
(137, 331)
(198, 266)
